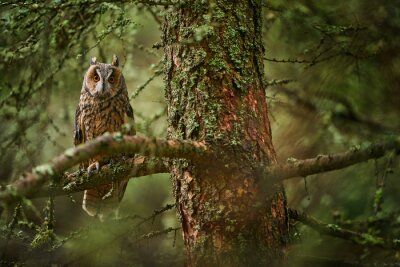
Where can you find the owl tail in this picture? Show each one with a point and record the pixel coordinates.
(102, 201)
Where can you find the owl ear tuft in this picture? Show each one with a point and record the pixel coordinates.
(115, 61)
(93, 61)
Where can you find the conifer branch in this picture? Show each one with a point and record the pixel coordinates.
(106, 145)
(125, 169)
(324, 163)
(32, 184)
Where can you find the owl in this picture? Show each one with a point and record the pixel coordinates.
(103, 107)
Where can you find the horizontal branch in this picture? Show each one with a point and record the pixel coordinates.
(325, 163)
(336, 231)
(126, 169)
(107, 145)
(30, 184)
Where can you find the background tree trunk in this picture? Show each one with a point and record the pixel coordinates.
(215, 93)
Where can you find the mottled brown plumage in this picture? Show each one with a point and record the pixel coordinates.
(103, 107)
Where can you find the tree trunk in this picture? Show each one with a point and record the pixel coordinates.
(215, 93)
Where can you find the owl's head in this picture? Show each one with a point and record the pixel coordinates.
(103, 80)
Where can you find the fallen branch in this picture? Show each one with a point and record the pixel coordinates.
(336, 231)
(107, 145)
(325, 163)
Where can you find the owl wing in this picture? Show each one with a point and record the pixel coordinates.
(129, 111)
(130, 118)
(79, 132)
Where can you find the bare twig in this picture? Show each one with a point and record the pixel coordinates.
(158, 233)
(381, 183)
(143, 86)
(276, 82)
(317, 59)
(337, 231)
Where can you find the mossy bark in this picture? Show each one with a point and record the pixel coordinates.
(215, 92)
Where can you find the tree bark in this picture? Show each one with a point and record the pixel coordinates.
(215, 92)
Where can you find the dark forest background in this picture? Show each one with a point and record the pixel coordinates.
(333, 70)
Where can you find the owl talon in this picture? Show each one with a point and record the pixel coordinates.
(92, 167)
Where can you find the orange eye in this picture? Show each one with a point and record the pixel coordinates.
(96, 78)
(111, 79)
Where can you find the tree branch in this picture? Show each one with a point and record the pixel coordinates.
(107, 145)
(79, 180)
(337, 231)
(30, 184)
(324, 163)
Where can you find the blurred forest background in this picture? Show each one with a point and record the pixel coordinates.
(333, 70)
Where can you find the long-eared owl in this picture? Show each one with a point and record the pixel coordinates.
(103, 107)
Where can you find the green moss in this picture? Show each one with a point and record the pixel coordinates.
(235, 55)
(211, 122)
(218, 64)
(370, 239)
(118, 137)
(42, 238)
(218, 14)
(230, 228)
(230, 34)
(45, 169)
(202, 32)
(192, 125)
(69, 152)
(199, 56)
(378, 196)
(333, 227)
(243, 29)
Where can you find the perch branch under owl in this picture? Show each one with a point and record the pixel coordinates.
(128, 168)
(108, 145)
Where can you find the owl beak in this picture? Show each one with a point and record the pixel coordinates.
(101, 88)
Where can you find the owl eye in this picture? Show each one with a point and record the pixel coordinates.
(96, 78)
(111, 79)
